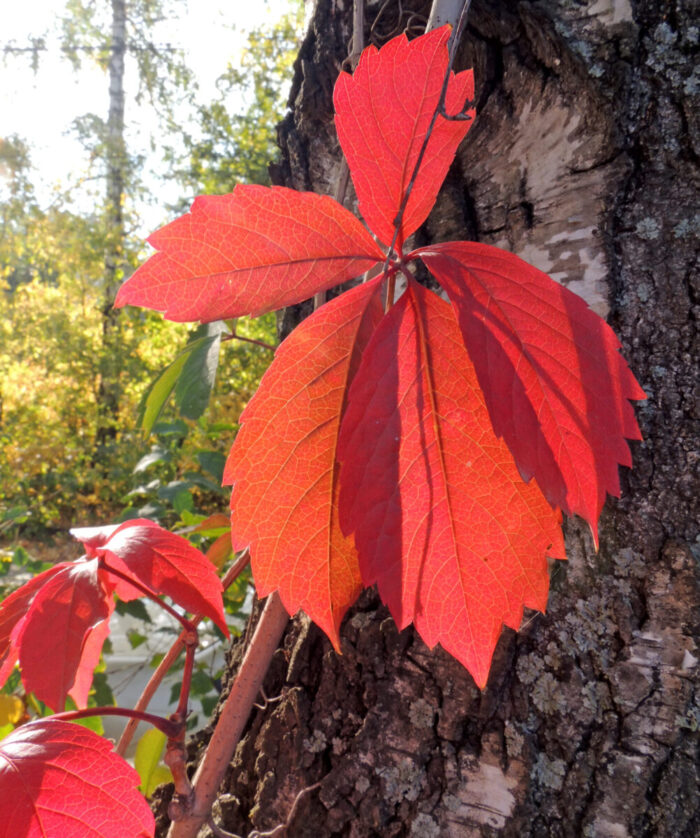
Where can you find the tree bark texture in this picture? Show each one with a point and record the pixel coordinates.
(583, 160)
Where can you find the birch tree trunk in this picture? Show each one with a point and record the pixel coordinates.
(583, 160)
(116, 162)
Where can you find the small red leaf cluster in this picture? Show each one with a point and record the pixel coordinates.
(421, 445)
(56, 624)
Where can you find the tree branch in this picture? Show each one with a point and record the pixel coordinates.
(234, 715)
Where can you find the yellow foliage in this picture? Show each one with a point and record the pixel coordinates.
(11, 709)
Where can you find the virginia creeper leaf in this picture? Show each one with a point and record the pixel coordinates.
(12, 610)
(90, 658)
(167, 564)
(53, 635)
(257, 249)
(60, 779)
(383, 112)
(284, 502)
(94, 537)
(555, 384)
(454, 539)
(220, 551)
(215, 525)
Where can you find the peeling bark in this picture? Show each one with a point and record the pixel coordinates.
(583, 160)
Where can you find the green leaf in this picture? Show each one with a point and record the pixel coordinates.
(212, 462)
(183, 501)
(204, 483)
(135, 608)
(93, 723)
(173, 489)
(209, 703)
(102, 691)
(6, 730)
(149, 750)
(201, 683)
(196, 380)
(157, 394)
(156, 659)
(157, 454)
(135, 639)
(173, 429)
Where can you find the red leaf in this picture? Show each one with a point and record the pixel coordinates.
(94, 537)
(167, 564)
(283, 464)
(220, 550)
(555, 384)
(383, 113)
(60, 779)
(214, 522)
(89, 658)
(454, 539)
(258, 249)
(12, 610)
(52, 638)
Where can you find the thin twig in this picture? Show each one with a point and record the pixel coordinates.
(172, 655)
(235, 336)
(278, 830)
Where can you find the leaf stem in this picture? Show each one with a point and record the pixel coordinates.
(172, 655)
(147, 592)
(235, 336)
(171, 728)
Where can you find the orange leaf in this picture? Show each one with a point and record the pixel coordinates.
(220, 550)
(254, 250)
(383, 113)
(445, 526)
(283, 467)
(555, 384)
(214, 522)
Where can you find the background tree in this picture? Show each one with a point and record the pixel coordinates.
(583, 160)
(163, 78)
(60, 264)
(234, 144)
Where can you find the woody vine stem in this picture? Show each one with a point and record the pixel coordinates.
(190, 810)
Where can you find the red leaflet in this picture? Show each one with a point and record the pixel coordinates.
(555, 384)
(60, 779)
(164, 562)
(383, 112)
(252, 251)
(12, 610)
(94, 537)
(283, 463)
(52, 637)
(89, 659)
(454, 539)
